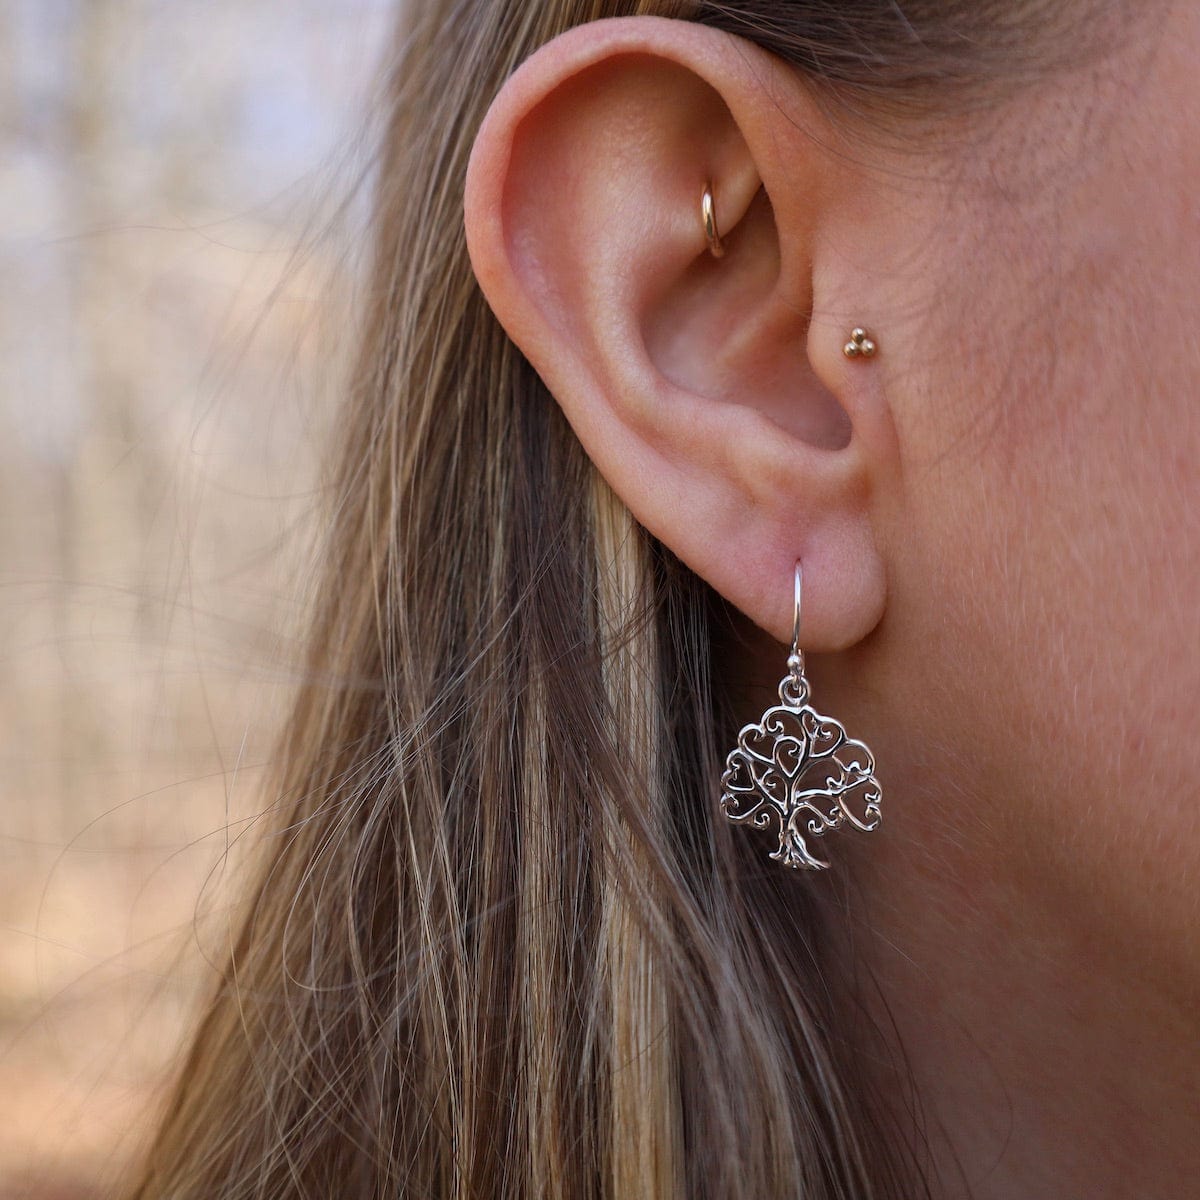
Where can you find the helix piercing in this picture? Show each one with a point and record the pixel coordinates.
(860, 344)
(796, 771)
(709, 216)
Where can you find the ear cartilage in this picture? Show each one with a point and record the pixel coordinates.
(860, 344)
(708, 215)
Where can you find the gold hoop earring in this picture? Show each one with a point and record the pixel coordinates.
(708, 215)
(860, 344)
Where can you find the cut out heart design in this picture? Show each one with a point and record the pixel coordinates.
(797, 768)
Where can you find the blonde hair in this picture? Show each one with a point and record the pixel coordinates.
(502, 943)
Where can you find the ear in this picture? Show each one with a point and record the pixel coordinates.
(712, 394)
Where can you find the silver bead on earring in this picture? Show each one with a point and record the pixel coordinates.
(797, 769)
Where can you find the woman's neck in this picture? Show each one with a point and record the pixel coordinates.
(1051, 1058)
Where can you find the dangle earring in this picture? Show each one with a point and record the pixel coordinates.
(797, 769)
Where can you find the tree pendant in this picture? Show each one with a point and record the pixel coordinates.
(798, 770)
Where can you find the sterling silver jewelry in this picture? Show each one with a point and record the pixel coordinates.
(797, 769)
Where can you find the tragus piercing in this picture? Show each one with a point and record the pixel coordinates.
(860, 344)
(708, 215)
(797, 770)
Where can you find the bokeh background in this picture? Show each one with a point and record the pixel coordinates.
(181, 188)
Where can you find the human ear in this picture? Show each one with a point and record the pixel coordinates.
(716, 405)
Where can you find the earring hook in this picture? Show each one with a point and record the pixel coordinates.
(796, 658)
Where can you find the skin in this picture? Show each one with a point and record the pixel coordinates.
(1034, 926)
(997, 516)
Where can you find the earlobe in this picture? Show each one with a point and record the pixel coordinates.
(688, 378)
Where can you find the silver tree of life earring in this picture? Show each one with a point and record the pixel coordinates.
(795, 770)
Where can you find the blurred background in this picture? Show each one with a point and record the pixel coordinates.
(179, 240)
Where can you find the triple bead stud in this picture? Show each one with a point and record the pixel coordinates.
(860, 345)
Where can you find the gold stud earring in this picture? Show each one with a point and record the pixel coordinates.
(860, 345)
(708, 215)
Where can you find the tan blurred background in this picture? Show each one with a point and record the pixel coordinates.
(174, 280)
